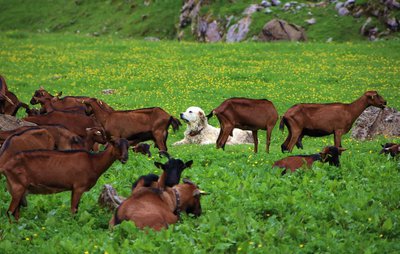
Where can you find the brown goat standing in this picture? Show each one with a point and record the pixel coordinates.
(135, 125)
(47, 172)
(317, 120)
(245, 114)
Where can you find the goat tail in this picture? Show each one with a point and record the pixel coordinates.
(282, 123)
(175, 123)
(210, 115)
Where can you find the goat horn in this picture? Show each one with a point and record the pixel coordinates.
(199, 192)
(9, 100)
(342, 149)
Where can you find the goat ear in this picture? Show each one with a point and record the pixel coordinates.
(341, 150)
(159, 165)
(189, 164)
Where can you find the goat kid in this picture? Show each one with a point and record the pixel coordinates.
(329, 154)
(390, 148)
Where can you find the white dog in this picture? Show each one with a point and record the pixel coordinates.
(200, 132)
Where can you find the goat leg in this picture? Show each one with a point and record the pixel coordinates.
(255, 139)
(75, 198)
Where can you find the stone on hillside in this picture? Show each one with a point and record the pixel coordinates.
(252, 9)
(268, 11)
(374, 121)
(265, 4)
(358, 13)
(343, 11)
(393, 4)
(108, 91)
(8, 123)
(150, 38)
(275, 2)
(109, 198)
(238, 31)
(189, 12)
(339, 5)
(212, 33)
(349, 3)
(277, 29)
(311, 21)
(392, 23)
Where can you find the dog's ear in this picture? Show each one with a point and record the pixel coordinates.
(202, 117)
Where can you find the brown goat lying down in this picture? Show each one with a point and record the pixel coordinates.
(329, 154)
(47, 172)
(390, 148)
(319, 120)
(150, 207)
(245, 114)
(135, 125)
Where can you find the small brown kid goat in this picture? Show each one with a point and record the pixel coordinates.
(329, 154)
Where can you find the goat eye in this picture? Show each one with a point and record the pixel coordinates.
(190, 112)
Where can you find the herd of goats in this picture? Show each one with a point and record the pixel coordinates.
(61, 152)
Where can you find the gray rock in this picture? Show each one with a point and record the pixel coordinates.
(238, 31)
(339, 5)
(212, 33)
(8, 123)
(277, 29)
(343, 11)
(275, 2)
(392, 23)
(108, 91)
(265, 4)
(252, 9)
(311, 21)
(268, 11)
(374, 121)
(330, 39)
(349, 3)
(151, 38)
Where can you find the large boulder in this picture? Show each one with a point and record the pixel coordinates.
(8, 123)
(374, 121)
(278, 29)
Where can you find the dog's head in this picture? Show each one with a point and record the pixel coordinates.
(194, 116)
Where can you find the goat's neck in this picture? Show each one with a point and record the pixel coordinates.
(100, 114)
(102, 161)
(357, 107)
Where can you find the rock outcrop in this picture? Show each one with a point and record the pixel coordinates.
(8, 123)
(374, 121)
(278, 29)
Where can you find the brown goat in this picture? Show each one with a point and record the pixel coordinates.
(135, 125)
(245, 114)
(49, 102)
(317, 120)
(47, 172)
(150, 207)
(142, 148)
(9, 103)
(28, 139)
(75, 122)
(390, 148)
(329, 154)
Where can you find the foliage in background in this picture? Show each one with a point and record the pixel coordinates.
(160, 18)
(252, 208)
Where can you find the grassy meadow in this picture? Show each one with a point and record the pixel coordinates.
(251, 207)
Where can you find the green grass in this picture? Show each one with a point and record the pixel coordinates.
(134, 19)
(251, 209)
